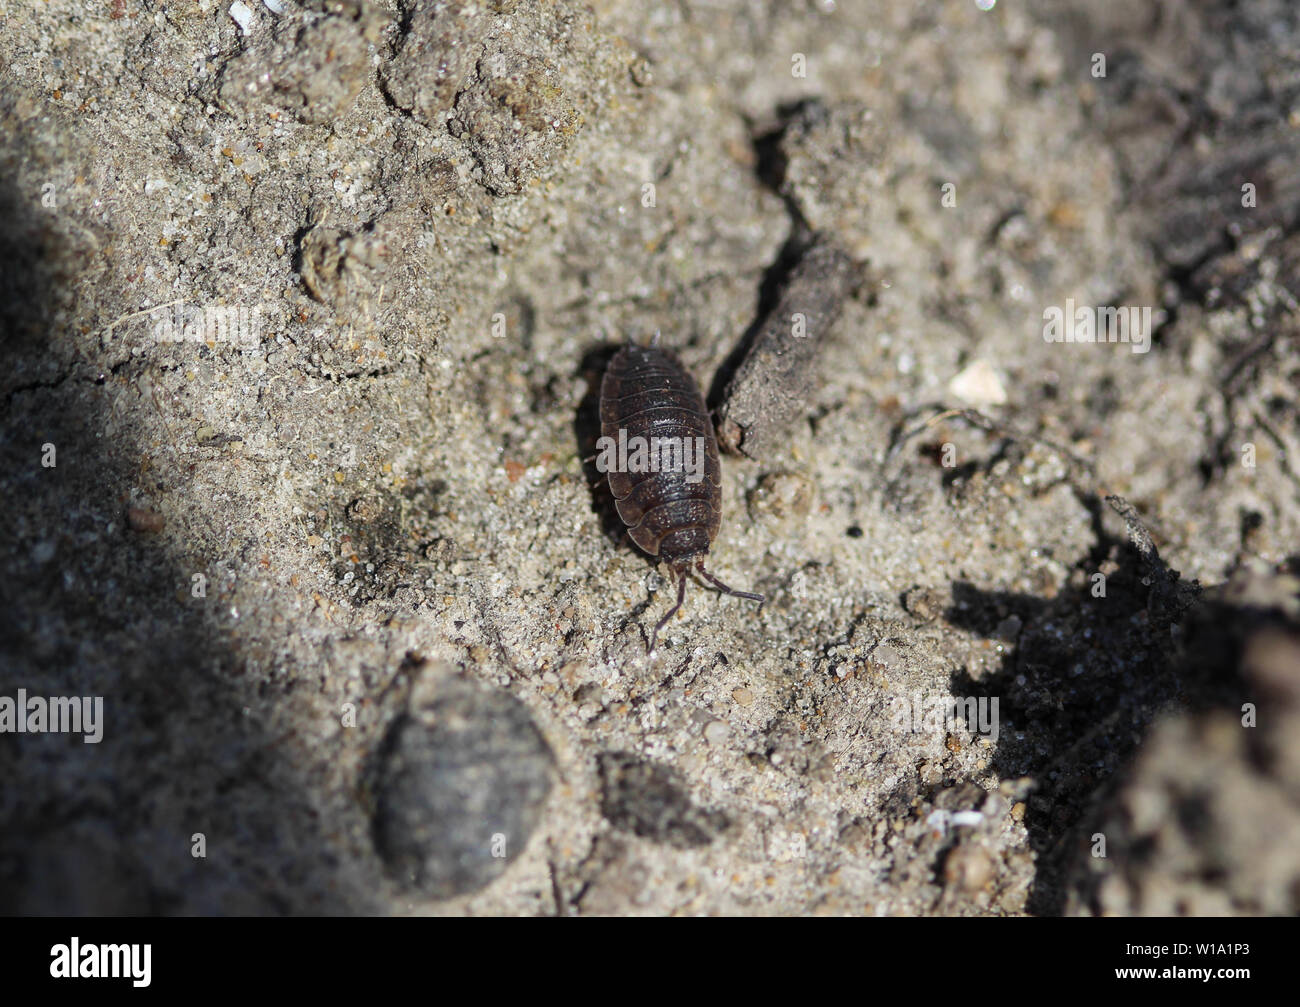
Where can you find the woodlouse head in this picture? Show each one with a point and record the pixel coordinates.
(683, 546)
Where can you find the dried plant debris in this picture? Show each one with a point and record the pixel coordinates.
(779, 371)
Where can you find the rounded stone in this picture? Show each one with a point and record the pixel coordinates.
(459, 783)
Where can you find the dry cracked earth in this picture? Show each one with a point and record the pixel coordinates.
(305, 306)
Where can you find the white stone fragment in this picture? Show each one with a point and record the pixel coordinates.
(242, 15)
(979, 385)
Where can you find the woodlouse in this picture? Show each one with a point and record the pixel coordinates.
(672, 512)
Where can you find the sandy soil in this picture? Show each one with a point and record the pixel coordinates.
(305, 306)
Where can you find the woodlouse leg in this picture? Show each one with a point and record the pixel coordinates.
(681, 596)
(723, 587)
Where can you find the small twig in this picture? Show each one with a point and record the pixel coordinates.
(107, 330)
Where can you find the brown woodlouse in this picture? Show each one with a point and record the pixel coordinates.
(673, 515)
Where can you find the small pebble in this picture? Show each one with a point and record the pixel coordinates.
(459, 785)
(968, 868)
(886, 657)
(979, 385)
(242, 15)
(146, 521)
(782, 495)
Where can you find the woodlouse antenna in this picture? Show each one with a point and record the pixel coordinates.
(723, 587)
(681, 596)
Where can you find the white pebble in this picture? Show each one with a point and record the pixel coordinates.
(937, 821)
(979, 385)
(242, 15)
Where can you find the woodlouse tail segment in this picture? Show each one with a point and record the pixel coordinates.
(681, 597)
(727, 590)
